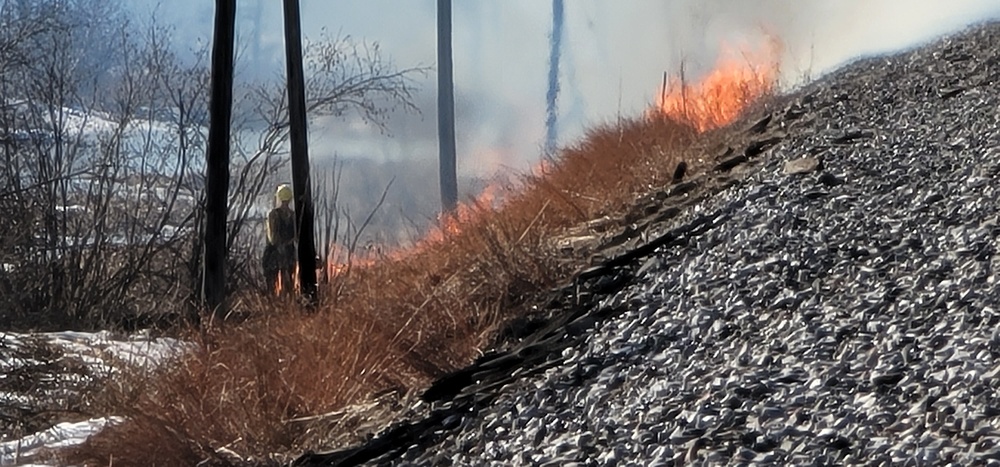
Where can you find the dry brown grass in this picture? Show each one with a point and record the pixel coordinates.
(391, 325)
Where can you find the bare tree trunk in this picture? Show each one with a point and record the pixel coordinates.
(552, 95)
(213, 291)
(446, 110)
(301, 185)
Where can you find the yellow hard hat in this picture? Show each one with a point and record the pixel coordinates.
(284, 193)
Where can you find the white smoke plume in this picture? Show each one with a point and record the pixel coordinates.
(626, 46)
(614, 54)
(613, 57)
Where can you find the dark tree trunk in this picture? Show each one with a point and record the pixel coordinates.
(301, 185)
(446, 110)
(213, 291)
(552, 95)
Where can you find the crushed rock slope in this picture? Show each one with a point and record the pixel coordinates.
(843, 316)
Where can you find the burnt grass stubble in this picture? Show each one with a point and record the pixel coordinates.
(752, 317)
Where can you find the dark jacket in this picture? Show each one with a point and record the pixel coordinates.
(279, 254)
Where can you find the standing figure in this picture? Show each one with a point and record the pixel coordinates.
(279, 254)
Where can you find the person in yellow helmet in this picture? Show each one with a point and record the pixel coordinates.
(279, 254)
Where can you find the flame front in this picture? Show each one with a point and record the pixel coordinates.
(340, 259)
(739, 78)
(280, 287)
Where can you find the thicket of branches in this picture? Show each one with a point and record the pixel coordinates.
(102, 147)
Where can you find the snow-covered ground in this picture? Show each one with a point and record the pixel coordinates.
(102, 350)
(32, 449)
(100, 353)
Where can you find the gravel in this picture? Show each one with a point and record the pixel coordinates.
(842, 316)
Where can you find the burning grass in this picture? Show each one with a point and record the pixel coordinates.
(740, 77)
(258, 387)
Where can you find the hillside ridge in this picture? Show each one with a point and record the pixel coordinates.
(761, 315)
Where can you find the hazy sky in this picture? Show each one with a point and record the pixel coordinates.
(614, 56)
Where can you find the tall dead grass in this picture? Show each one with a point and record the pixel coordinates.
(394, 325)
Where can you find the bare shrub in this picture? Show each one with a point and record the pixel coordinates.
(103, 176)
(101, 162)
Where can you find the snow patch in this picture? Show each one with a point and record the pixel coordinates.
(32, 449)
(103, 353)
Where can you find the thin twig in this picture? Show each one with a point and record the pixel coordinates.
(532, 223)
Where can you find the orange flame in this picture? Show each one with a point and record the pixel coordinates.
(280, 287)
(451, 223)
(739, 78)
(340, 260)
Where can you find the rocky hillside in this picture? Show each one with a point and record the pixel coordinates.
(835, 302)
